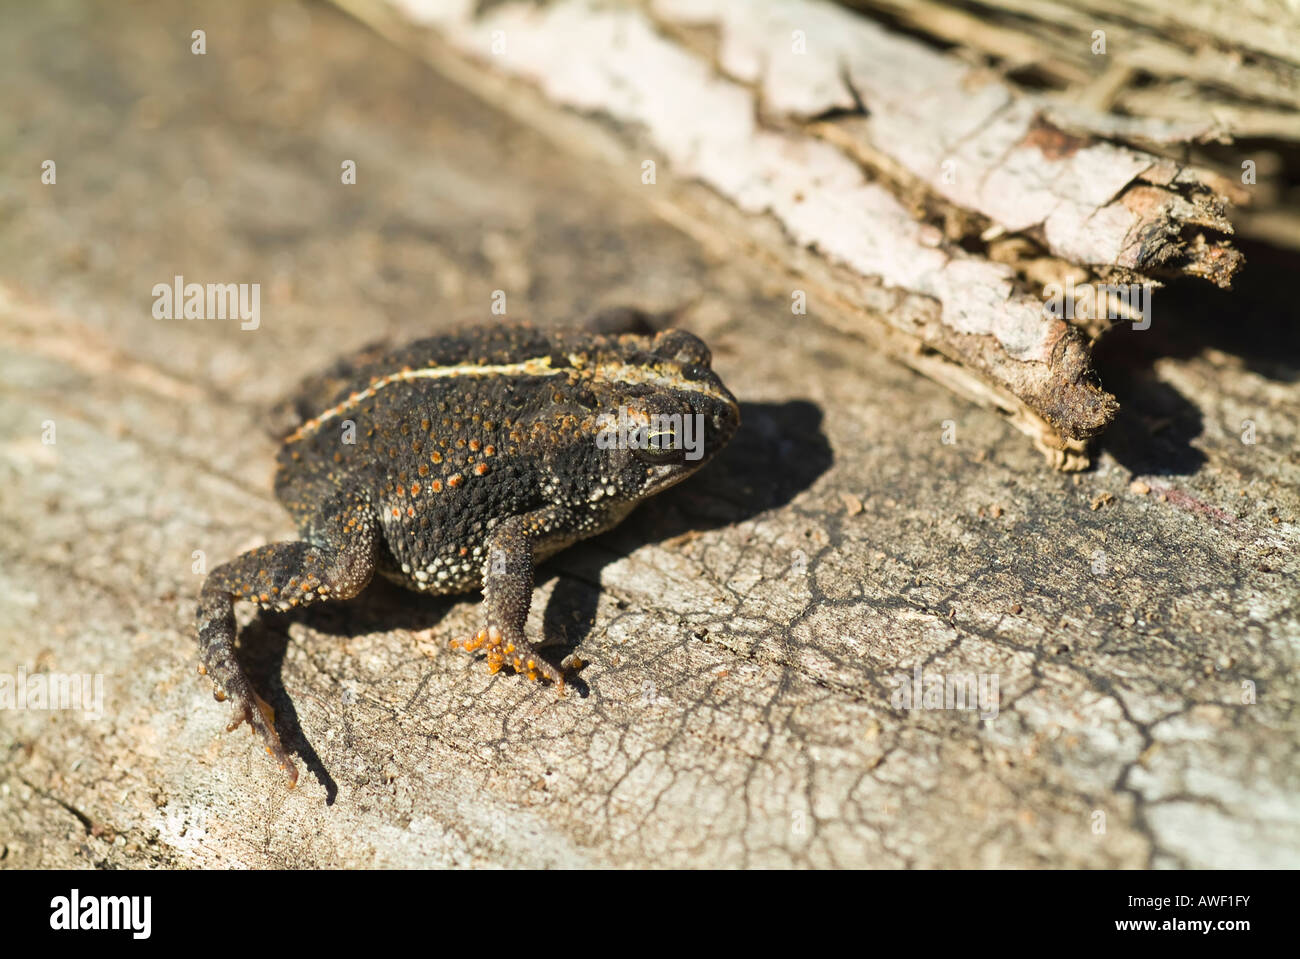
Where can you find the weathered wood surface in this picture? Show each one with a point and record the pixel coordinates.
(743, 631)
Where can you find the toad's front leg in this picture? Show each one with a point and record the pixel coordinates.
(338, 564)
(508, 594)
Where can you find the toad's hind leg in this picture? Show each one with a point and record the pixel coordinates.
(337, 564)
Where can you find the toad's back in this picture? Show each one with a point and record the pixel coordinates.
(447, 436)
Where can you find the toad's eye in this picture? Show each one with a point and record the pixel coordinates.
(658, 445)
(665, 456)
(692, 372)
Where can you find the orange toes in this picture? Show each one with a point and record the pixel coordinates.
(501, 653)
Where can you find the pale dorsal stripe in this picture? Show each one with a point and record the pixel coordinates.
(537, 366)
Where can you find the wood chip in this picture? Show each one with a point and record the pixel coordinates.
(1102, 500)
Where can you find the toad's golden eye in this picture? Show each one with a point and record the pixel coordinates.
(658, 444)
(666, 455)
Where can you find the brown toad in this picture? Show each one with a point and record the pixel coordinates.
(459, 462)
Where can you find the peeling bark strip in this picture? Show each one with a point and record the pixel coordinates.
(618, 63)
(969, 138)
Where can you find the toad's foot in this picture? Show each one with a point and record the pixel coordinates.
(257, 712)
(516, 652)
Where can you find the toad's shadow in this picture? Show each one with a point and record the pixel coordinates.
(778, 452)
